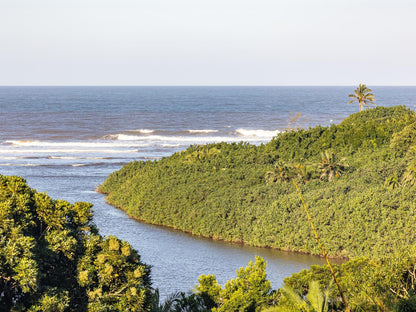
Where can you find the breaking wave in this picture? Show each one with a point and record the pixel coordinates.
(83, 144)
(257, 133)
(119, 148)
(145, 131)
(62, 150)
(203, 131)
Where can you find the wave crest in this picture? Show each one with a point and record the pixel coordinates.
(257, 133)
(203, 131)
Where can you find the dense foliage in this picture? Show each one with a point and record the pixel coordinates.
(385, 284)
(356, 178)
(52, 258)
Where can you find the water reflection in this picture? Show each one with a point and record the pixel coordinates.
(178, 259)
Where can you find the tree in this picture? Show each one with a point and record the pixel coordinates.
(409, 177)
(282, 172)
(316, 300)
(331, 167)
(52, 258)
(392, 182)
(247, 292)
(363, 96)
(113, 276)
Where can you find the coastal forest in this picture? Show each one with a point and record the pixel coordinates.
(357, 178)
(53, 259)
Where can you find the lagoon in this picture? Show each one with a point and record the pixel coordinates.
(66, 140)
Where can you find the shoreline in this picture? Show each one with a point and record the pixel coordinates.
(241, 243)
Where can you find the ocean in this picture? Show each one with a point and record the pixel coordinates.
(66, 140)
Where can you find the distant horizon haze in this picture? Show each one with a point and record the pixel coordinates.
(208, 86)
(207, 42)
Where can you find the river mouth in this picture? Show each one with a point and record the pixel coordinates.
(177, 258)
(66, 141)
(337, 260)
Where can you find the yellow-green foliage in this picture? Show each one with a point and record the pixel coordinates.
(249, 291)
(224, 191)
(52, 259)
(383, 284)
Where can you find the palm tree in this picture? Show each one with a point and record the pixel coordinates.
(331, 167)
(285, 172)
(305, 172)
(282, 173)
(392, 182)
(363, 96)
(409, 177)
(316, 300)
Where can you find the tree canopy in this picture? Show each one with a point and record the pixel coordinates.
(238, 192)
(363, 96)
(384, 284)
(53, 259)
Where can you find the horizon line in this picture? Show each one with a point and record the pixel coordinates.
(207, 85)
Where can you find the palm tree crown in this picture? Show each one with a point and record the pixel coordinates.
(331, 167)
(409, 177)
(363, 96)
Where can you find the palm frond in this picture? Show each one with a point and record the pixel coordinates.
(363, 96)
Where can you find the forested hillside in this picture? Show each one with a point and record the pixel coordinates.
(357, 178)
(52, 259)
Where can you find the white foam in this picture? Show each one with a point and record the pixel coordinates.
(64, 144)
(73, 158)
(203, 131)
(129, 137)
(22, 165)
(179, 139)
(145, 131)
(257, 133)
(244, 135)
(171, 145)
(126, 143)
(70, 151)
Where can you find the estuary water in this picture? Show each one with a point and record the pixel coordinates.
(66, 140)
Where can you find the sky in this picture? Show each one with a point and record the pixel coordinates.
(207, 42)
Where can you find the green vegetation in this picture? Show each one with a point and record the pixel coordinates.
(52, 258)
(357, 178)
(246, 292)
(363, 96)
(385, 284)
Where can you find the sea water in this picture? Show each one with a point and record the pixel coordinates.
(66, 140)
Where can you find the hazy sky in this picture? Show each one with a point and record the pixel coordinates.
(207, 42)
